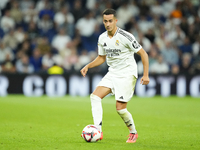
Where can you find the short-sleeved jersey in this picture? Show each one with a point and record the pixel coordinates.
(119, 51)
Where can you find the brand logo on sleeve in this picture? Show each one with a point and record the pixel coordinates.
(135, 44)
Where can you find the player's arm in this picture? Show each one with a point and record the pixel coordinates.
(100, 59)
(145, 61)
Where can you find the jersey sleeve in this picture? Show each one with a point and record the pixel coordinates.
(100, 48)
(134, 45)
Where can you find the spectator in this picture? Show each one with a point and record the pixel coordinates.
(3, 4)
(36, 60)
(144, 25)
(179, 36)
(47, 10)
(86, 27)
(168, 7)
(175, 70)
(24, 48)
(70, 61)
(10, 40)
(16, 13)
(43, 45)
(196, 47)
(7, 23)
(156, 9)
(160, 39)
(159, 67)
(145, 42)
(175, 34)
(50, 59)
(30, 14)
(176, 14)
(196, 23)
(61, 40)
(78, 11)
(187, 8)
(153, 53)
(83, 59)
(57, 5)
(19, 34)
(23, 65)
(150, 35)
(65, 19)
(32, 30)
(170, 54)
(195, 68)
(90, 4)
(45, 22)
(5, 52)
(8, 66)
(186, 62)
(41, 4)
(126, 8)
(47, 60)
(184, 25)
(144, 8)
(186, 47)
(26, 4)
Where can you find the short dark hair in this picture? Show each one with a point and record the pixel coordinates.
(109, 12)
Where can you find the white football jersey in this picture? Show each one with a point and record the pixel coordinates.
(119, 51)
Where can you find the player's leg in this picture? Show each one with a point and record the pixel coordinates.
(101, 91)
(124, 89)
(128, 120)
(97, 112)
(125, 115)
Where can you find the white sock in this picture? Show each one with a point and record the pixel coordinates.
(97, 111)
(128, 119)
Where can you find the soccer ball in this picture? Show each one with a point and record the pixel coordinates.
(91, 133)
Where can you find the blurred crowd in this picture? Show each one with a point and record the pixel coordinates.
(36, 35)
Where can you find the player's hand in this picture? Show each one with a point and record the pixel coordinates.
(144, 80)
(84, 71)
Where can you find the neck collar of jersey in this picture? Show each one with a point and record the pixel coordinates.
(115, 32)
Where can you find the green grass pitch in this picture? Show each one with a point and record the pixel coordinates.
(34, 123)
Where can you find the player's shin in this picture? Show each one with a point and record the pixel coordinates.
(97, 111)
(128, 120)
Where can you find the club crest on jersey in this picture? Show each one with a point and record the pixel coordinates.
(117, 43)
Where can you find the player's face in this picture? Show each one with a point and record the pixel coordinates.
(109, 22)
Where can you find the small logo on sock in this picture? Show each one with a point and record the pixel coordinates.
(100, 123)
(121, 97)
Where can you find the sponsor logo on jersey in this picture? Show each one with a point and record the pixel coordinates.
(117, 43)
(112, 52)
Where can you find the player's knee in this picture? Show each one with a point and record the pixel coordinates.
(94, 97)
(121, 111)
(120, 105)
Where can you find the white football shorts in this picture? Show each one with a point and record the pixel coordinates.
(122, 87)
